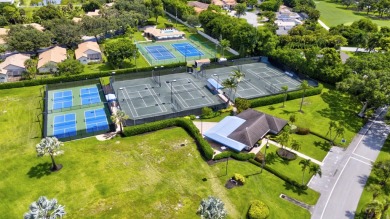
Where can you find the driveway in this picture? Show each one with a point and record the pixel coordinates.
(250, 17)
(345, 173)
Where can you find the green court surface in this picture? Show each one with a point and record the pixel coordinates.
(176, 55)
(66, 109)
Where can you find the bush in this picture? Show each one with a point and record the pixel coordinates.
(302, 131)
(192, 117)
(187, 117)
(207, 112)
(258, 210)
(259, 157)
(222, 155)
(203, 146)
(229, 109)
(239, 178)
(168, 25)
(242, 104)
(242, 156)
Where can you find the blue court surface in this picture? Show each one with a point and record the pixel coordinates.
(96, 120)
(159, 52)
(64, 125)
(89, 95)
(62, 99)
(187, 49)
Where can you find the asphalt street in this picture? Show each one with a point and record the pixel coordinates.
(345, 172)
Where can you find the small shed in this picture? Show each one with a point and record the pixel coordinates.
(213, 85)
(201, 62)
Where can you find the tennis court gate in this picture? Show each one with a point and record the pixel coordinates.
(197, 111)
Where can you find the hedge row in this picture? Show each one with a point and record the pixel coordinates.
(203, 145)
(54, 80)
(280, 175)
(236, 155)
(320, 136)
(279, 98)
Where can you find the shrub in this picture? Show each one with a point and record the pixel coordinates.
(242, 156)
(239, 178)
(187, 117)
(192, 117)
(259, 157)
(168, 25)
(242, 104)
(302, 131)
(229, 109)
(258, 210)
(207, 112)
(222, 155)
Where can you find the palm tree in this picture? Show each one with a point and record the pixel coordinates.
(284, 89)
(212, 208)
(373, 209)
(238, 75)
(231, 84)
(295, 145)
(292, 119)
(303, 86)
(375, 189)
(305, 164)
(315, 169)
(119, 117)
(45, 209)
(50, 146)
(224, 45)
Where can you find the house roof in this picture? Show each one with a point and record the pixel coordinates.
(3, 31)
(248, 127)
(15, 60)
(56, 54)
(164, 33)
(198, 6)
(83, 47)
(217, 2)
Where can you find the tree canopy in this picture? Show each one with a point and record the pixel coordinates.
(26, 39)
(119, 50)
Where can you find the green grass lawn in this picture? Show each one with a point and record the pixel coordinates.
(291, 169)
(333, 14)
(145, 176)
(312, 146)
(319, 110)
(366, 195)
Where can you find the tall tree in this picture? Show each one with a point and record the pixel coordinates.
(373, 209)
(230, 83)
(27, 39)
(315, 170)
(303, 86)
(304, 165)
(119, 50)
(119, 118)
(31, 68)
(375, 189)
(240, 9)
(295, 145)
(238, 75)
(65, 32)
(212, 208)
(91, 5)
(45, 208)
(50, 146)
(382, 170)
(94, 26)
(283, 138)
(47, 12)
(284, 89)
(371, 87)
(70, 67)
(224, 43)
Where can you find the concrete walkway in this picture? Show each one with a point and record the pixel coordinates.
(323, 25)
(345, 172)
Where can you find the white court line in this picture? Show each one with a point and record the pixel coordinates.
(157, 100)
(135, 111)
(179, 96)
(363, 157)
(209, 100)
(140, 97)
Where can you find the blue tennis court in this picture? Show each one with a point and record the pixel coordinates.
(187, 49)
(89, 95)
(64, 125)
(62, 99)
(159, 52)
(96, 120)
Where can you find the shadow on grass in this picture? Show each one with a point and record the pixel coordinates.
(294, 189)
(323, 145)
(271, 158)
(342, 109)
(271, 108)
(40, 170)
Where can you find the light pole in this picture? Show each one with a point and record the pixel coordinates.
(217, 81)
(265, 154)
(172, 90)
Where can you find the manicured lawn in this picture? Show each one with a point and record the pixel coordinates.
(366, 195)
(319, 110)
(145, 176)
(312, 146)
(333, 14)
(291, 169)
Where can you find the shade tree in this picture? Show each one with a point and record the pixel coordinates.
(212, 208)
(27, 38)
(119, 50)
(45, 208)
(50, 146)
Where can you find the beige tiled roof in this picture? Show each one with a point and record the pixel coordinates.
(83, 47)
(3, 31)
(16, 60)
(197, 4)
(93, 13)
(56, 54)
(36, 26)
(76, 19)
(217, 2)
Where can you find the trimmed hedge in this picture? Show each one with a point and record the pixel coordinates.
(203, 145)
(236, 155)
(280, 175)
(302, 131)
(279, 98)
(258, 210)
(222, 155)
(54, 80)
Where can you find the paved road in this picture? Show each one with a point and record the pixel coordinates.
(345, 172)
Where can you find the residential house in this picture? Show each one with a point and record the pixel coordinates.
(13, 67)
(88, 52)
(49, 57)
(198, 6)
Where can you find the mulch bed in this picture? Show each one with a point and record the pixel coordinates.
(285, 154)
(231, 183)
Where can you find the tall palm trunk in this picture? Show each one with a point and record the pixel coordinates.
(303, 176)
(54, 166)
(303, 96)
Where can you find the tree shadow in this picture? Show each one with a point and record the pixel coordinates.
(350, 214)
(288, 112)
(294, 189)
(271, 108)
(271, 158)
(323, 145)
(362, 180)
(284, 161)
(40, 170)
